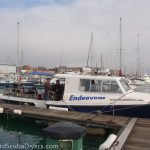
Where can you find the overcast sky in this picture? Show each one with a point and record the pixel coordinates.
(58, 32)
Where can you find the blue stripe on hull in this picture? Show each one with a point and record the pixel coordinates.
(131, 111)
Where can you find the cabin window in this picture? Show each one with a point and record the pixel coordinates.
(125, 85)
(84, 85)
(90, 85)
(110, 86)
(95, 86)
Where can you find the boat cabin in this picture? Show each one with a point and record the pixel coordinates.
(77, 86)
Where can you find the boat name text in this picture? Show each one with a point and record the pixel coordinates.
(75, 98)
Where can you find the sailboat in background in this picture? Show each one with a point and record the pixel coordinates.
(90, 53)
(137, 80)
(89, 67)
(8, 71)
(137, 74)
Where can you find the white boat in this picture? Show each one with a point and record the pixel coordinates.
(137, 81)
(86, 93)
(146, 78)
(6, 82)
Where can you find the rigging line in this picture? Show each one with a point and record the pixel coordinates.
(124, 108)
(125, 94)
(121, 97)
(116, 100)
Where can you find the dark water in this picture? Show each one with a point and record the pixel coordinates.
(18, 131)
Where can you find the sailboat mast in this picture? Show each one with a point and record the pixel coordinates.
(137, 57)
(17, 55)
(120, 50)
(102, 66)
(21, 59)
(90, 52)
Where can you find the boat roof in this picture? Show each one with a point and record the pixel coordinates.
(87, 76)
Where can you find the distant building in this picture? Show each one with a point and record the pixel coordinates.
(62, 69)
(7, 68)
(74, 69)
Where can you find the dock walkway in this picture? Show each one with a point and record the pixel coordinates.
(139, 138)
(134, 136)
(96, 120)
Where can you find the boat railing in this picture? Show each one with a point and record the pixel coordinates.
(16, 92)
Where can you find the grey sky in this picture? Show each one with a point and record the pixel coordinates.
(53, 34)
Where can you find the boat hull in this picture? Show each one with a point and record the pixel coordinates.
(141, 111)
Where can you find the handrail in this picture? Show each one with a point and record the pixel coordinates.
(18, 92)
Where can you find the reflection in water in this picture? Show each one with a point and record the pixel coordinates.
(20, 132)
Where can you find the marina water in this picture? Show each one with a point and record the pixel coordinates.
(26, 133)
(23, 133)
